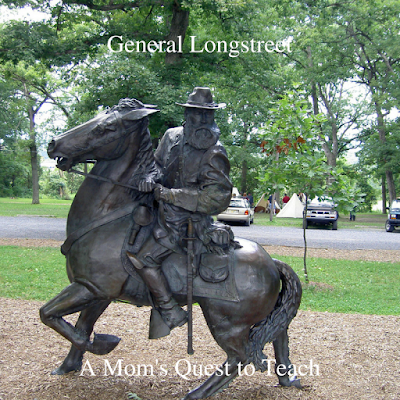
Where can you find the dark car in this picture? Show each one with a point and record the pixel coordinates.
(321, 212)
(393, 216)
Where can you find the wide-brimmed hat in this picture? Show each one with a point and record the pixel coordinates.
(202, 98)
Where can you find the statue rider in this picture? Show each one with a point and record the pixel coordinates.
(192, 180)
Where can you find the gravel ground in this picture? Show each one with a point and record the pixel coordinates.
(365, 255)
(353, 357)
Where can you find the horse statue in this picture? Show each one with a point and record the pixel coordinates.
(268, 292)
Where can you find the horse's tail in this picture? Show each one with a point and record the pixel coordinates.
(279, 319)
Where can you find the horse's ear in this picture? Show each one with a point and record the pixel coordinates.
(135, 115)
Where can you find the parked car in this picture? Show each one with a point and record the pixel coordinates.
(321, 212)
(393, 216)
(239, 210)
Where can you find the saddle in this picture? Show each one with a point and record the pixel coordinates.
(215, 278)
(213, 272)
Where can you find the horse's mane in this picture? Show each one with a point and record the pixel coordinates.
(126, 104)
(145, 165)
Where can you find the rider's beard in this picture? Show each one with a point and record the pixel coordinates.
(202, 137)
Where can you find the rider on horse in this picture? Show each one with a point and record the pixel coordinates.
(192, 181)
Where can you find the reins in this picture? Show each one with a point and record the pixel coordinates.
(74, 236)
(102, 178)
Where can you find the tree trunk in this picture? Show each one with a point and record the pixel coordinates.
(243, 184)
(33, 151)
(391, 186)
(35, 172)
(330, 153)
(330, 157)
(382, 138)
(179, 25)
(383, 195)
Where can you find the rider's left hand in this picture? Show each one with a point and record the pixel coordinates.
(163, 193)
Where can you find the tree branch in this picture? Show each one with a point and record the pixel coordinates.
(129, 5)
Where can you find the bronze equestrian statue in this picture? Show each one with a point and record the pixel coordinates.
(140, 218)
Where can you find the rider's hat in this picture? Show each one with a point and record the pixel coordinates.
(202, 98)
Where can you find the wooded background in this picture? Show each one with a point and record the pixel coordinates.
(292, 118)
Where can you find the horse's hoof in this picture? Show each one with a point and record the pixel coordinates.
(103, 344)
(58, 371)
(193, 395)
(188, 397)
(62, 370)
(296, 383)
(287, 382)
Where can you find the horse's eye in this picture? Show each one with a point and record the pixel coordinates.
(98, 130)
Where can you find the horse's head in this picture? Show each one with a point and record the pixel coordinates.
(104, 137)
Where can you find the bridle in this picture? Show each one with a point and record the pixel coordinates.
(119, 134)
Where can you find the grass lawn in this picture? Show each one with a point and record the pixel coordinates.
(47, 207)
(31, 273)
(59, 209)
(349, 286)
(364, 287)
(363, 221)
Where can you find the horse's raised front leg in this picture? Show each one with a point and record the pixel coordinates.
(72, 299)
(286, 372)
(85, 323)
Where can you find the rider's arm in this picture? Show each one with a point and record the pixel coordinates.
(214, 189)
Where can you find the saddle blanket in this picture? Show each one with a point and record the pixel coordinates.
(175, 270)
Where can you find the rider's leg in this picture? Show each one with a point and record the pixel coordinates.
(172, 314)
(148, 264)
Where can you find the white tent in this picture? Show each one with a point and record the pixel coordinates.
(262, 205)
(235, 192)
(293, 209)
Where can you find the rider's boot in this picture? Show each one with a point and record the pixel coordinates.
(172, 314)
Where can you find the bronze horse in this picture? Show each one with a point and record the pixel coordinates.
(269, 291)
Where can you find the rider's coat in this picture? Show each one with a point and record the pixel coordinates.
(200, 182)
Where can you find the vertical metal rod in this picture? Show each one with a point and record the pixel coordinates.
(190, 285)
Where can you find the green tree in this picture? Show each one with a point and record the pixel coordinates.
(54, 184)
(35, 86)
(375, 157)
(292, 146)
(14, 161)
(373, 32)
(318, 52)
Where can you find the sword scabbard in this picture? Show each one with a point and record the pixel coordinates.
(190, 257)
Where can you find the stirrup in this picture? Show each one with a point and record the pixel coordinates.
(157, 327)
(174, 316)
